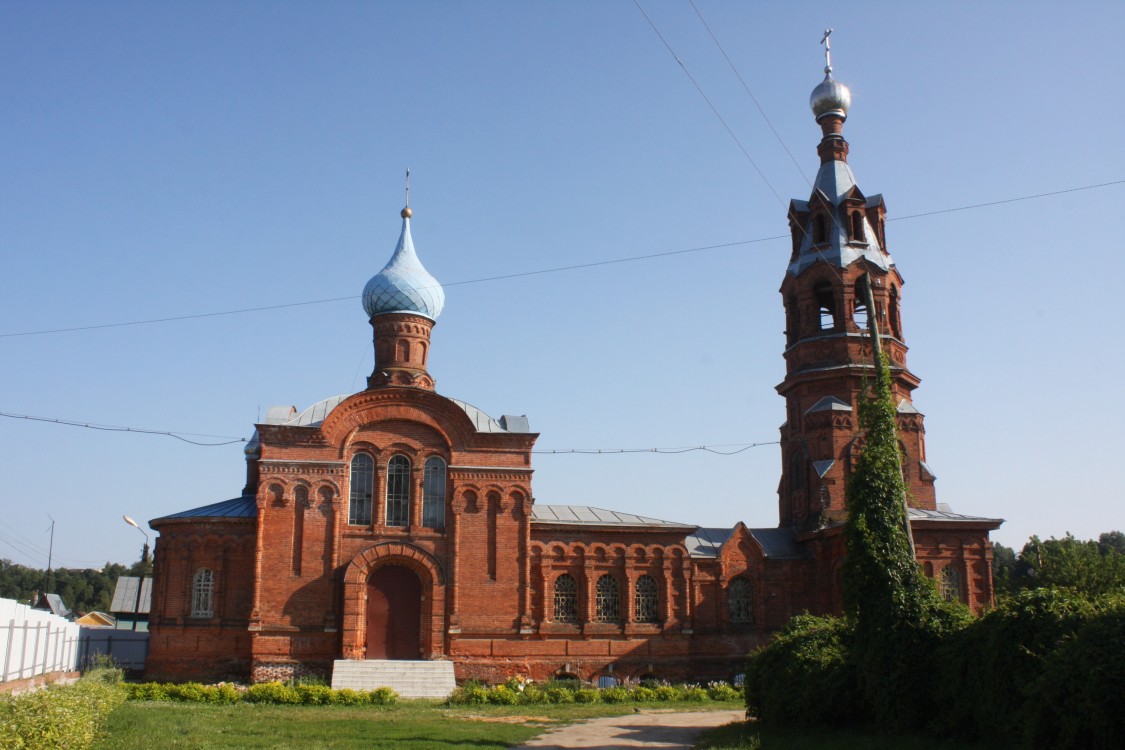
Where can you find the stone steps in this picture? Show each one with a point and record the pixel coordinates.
(410, 679)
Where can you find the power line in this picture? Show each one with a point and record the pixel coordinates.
(541, 271)
(117, 428)
(617, 451)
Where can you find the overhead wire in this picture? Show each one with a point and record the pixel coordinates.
(673, 451)
(138, 430)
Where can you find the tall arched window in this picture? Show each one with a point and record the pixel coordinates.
(646, 600)
(950, 584)
(896, 321)
(398, 491)
(566, 598)
(826, 305)
(363, 479)
(203, 593)
(740, 600)
(607, 602)
(433, 493)
(860, 308)
(300, 503)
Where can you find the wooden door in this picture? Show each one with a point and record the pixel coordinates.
(394, 614)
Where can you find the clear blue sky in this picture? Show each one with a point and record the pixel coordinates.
(167, 159)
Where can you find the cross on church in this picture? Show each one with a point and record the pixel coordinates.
(827, 50)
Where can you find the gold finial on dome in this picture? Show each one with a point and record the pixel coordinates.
(406, 213)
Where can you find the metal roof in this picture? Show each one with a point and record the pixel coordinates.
(829, 403)
(943, 513)
(776, 544)
(239, 507)
(834, 182)
(584, 515)
(125, 595)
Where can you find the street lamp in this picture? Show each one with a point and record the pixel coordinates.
(144, 563)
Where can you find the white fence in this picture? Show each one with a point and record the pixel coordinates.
(34, 642)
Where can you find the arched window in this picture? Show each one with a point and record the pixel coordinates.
(607, 602)
(826, 304)
(363, 478)
(398, 491)
(646, 600)
(950, 584)
(740, 601)
(896, 321)
(860, 314)
(433, 493)
(857, 227)
(404, 351)
(793, 327)
(566, 598)
(203, 593)
(300, 504)
(608, 681)
(820, 229)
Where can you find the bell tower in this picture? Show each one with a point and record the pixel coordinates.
(837, 238)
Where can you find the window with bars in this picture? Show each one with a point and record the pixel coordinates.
(363, 479)
(433, 493)
(203, 593)
(607, 602)
(398, 491)
(566, 598)
(740, 600)
(646, 600)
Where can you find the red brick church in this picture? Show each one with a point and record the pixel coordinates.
(400, 524)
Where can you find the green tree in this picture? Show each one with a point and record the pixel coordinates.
(897, 615)
(1088, 566)
(1112, 540)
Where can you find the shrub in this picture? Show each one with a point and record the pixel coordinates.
(189, 692)
(383, 696)
(347, 697)
(146, 691)
(666, 693)
(804, 678)
(313, 695)
(693, 694)
(615, 694)
(723, 691)
(642, 694)
(559, 694)
(501, 695)
(989, 667)
(534, 694)
(1078, 702)
(587, 695)
(275, 692)
(61, 717)
(471, 693)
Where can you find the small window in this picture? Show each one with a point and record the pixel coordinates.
(398, 491)
(363, 478)
(203, 593)
(740, 601)
(608, 600)
(566, 598)
(646, 600)
(857, 227)
(950, 584)
(826, 304)
(433, 493)
(896, 322)
(820, 229)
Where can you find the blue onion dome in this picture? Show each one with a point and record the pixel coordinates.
(830, 97)
(404, 285)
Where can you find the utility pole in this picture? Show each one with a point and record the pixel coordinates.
(877, 356)
(50, 557)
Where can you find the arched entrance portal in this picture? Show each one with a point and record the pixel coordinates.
(394, 613)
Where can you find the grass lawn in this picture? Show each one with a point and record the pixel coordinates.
(410, 725)
(748, 736)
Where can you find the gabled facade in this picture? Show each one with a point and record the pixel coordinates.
(397, 523)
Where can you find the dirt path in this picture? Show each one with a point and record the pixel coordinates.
(648, 729)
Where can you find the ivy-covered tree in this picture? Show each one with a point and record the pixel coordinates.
(897, 615)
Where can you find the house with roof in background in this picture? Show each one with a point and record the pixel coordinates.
(398, 526)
